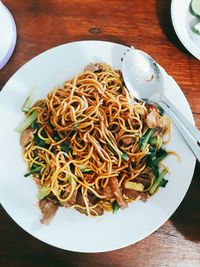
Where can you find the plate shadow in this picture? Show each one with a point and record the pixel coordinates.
(186, 219)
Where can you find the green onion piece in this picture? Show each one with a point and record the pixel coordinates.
(75, 126)
(84, 169)
(65, 147)
(158, 181)
(161, 154)
(154, 158)
(161, 110)
(163, 182)
(39, 142)
(133, 165)
(29, 100)
(125, 157)
(115, 206)
(27, 122)
(153, 140)
(69, 179)
(112, 149)
(43, 192)
(145, 138)
(37, 169)
(35, 125)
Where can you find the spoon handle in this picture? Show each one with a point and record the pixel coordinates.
(192, 143)
(192, 129)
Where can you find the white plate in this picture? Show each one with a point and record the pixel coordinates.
(8, 35)
(182, 21)
(71, 230)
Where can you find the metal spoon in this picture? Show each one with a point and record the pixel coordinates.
(145, 81)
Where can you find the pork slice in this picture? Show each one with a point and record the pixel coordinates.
(128, 140)
(72, 199)
(152, 119)
(48, 209)
(26, 137)
(106, 192)
(91, 67)
(97, 211)
(133, 194)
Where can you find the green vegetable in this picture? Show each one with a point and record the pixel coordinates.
(27, 122)
(35, 125)
(115, 206)
(154, 158)
(154, 166)
(195, 7)
(84, 169)
(125, 157)
(160, 155)
(39, 142)
(133, 165)
(66, 148)
(29, 100)
(98, 71)
(43, 192)
(34, 170)
(56, 137)
(163, 182)
(34, 165)
(143, 141)
(112, 149)
(69, 179)
(161, 110)
(157, 182)
(75, 125)
(153, 140)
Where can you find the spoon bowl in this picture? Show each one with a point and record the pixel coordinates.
(144, 79)
(142, 75)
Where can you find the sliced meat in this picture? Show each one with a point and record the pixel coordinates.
(107, 192)
(48, 209)
(113, 182)
(133, 194)
(93, 199)
(162, 126)
(103, 66)
(152, 119)
(128, 140)
(91, 67)
(97, 211)
(72, 199)
(26, 137)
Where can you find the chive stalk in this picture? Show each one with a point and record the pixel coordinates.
(37, 169)
(158, 181)
(27, 122)
(145, 138)
(115, 206)
(29, 100)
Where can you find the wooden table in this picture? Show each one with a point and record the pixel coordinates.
(146, 25)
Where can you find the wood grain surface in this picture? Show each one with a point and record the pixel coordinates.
(43, 24)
